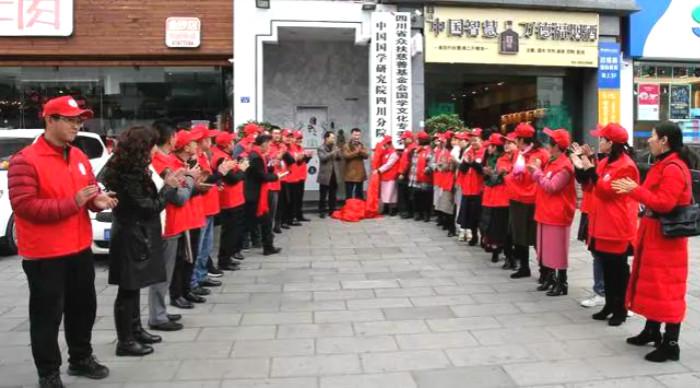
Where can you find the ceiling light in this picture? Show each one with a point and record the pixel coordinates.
(369, 6)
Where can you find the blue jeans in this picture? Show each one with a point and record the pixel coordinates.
(598, 281)
(206, 244)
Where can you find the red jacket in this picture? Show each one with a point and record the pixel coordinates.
(472, 182)
(497, 195)
(177, 218)
(405, 161)
(393, 172)
(275, 152)
(522, 188)
(612, 220)
(42, 187)
(659, 277)
(557, 207)
(210, 199)
(422, 164)
(439, 176)
(232, 194)
(297, 171)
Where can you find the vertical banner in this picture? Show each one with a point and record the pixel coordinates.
(648, 99)
(380, 75)
(609, 62)
(401, 76)
(679, 102)
(390, 75)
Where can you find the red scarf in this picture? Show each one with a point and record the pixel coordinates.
(263, 205)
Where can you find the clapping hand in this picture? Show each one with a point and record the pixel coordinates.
(104, 201)
(173, 179)
(576, 149)
(535, 165)
(624, 185)
(85, 194)
(587, 150)
(243, 165)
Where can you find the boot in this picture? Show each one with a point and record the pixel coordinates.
(509, 262)
(603, 314)
(650, 333)
(494, 255)
(141, 335)
(126, 344)
(394, 211)
(668, 350)
(524, 259)
(475, 238)
(619, 312)
(548, 279)
(561, 286)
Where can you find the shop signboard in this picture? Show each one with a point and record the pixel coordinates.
(679, 103)
(390, 75)
(665, 29)
(648, 99)
(609, 61)
(608, 106)
(183, 32)
(36, 17)
(511, 37)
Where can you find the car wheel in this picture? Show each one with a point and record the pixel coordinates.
(11, 234)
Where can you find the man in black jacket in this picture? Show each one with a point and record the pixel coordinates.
(258, 174)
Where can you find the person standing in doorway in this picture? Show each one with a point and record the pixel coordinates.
(405, 201)
(51, 187)
(329, 174)
(355, 154)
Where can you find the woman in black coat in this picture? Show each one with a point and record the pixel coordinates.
(136, 252)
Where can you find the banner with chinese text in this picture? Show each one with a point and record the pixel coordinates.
(511, 37)
(608, 106)
(609, 61)
(36, 17)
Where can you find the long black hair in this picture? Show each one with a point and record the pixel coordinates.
(674, 134)
(129, 163)
(618, 149)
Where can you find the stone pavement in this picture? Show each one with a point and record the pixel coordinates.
(382, 303)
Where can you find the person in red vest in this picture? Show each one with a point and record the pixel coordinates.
(420, 178)
(257, 180)
(472, 184)
(446, 167)
(554, 211)
(231, 201)
(461, 146)
(523, 191)
(612, 218)
(497, 164)
(303, 158)
(438, 174)
(388, 170)
(659, 277)
(289, 160)
(51, 187)
(275, 154)
(404, 195)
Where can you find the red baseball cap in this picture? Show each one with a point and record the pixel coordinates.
(224, 138)
(286, 132)
(496, 139)
(251, 129)
(462, 136)
(64, 106)
(561, 137)
(613, 132)
(298, 135)
(406, 135)
(422, 135)
(449, 134)
(212, 133)
(512, 137)
(477, 132)
(200, 132)
(525, 130)
(183, 138)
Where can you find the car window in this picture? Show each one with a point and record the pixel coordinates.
(10, 146)
(91, 147)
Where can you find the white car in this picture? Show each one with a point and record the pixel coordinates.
(12, 141)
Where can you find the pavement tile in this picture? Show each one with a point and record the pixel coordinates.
(355, 345)
(404, 361)
(397, 380)
(489, 355)
(369, 329)
(483, 376)
(301, 382)
(316, 365)
(348, 316)
(435, 341)
(273, 348)
(224, 369)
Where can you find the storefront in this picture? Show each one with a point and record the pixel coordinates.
(663, 44)
(131, 64)
(496, 67)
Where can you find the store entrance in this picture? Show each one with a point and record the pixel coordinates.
(499, 97)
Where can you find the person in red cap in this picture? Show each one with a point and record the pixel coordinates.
(387, 167)
(404, 196)
(330, 174)
(303, 158)
(51, 187)
(461, 144)
(554, 211)
(442, 174)
(290, 159)
(472, 185)
(275, 155)
(420, 178)
(612, 217)
(355, 154)
(231, 201)
(523, 191)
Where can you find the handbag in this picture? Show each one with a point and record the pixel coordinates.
(682, 221)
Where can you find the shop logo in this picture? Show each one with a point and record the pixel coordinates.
(696, 17)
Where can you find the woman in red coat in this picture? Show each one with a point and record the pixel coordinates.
(495, 201)
(660, 270)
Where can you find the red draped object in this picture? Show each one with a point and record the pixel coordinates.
(356, 209)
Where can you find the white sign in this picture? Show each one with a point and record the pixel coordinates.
(390, 75)
(36, 17)
(183, 32)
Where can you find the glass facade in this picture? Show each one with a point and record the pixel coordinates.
(666, 91)
(119, 96)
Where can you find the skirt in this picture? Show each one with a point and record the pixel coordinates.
(470, 212)
(494, 224)
(437, 192)
(446, 203)
(553, 245)
(389, 192)
(522, 223)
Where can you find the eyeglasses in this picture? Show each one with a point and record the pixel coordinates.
(79, 121)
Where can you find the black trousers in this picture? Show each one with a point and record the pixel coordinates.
(354, 190)
(287, 198)
(180, 285)
(127, 313)
(263, 222)
(61, 288)
(233, 226)
(328, 199)
(405, 201)
(282, 205)
(297, 200)
(616, 274)
(422, 201)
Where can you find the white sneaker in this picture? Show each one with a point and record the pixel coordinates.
(462, 235)
(595, 300)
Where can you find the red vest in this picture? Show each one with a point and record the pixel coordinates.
(210, 199)
(297, 171)
(232, 195)
(613, 216)
(522, 188)
(421, 164)
(177, 218)
(473, 182)
(498, 196)
(557, 208)
(405, 161)
(392, 173)
(58, 179)
(275, 152)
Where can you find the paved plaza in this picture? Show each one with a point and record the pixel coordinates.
(382, 303)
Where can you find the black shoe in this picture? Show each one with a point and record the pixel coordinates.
(174, 317)
(194, 298)
(229, 266)
(277, 230)
(494, 257)
(303, 219)
(89, 368)
(322, 215)
(473, 242)
(548, 280)
(215, 273)
(200, 291)
(418, 217)
(393, 212)
(618, 319)
(133, 348)
(602, 314)
(508, 264)
(560, 288)
(668, 350)
(271, 251)
(145, 337)
(238, 256)
(51, 381)
(207, 282)
(405, 216)
(521, 273)
(645, 337)
(295, 223)
(257, 245)
(284, 226)
(181, 303)
(166, 326)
